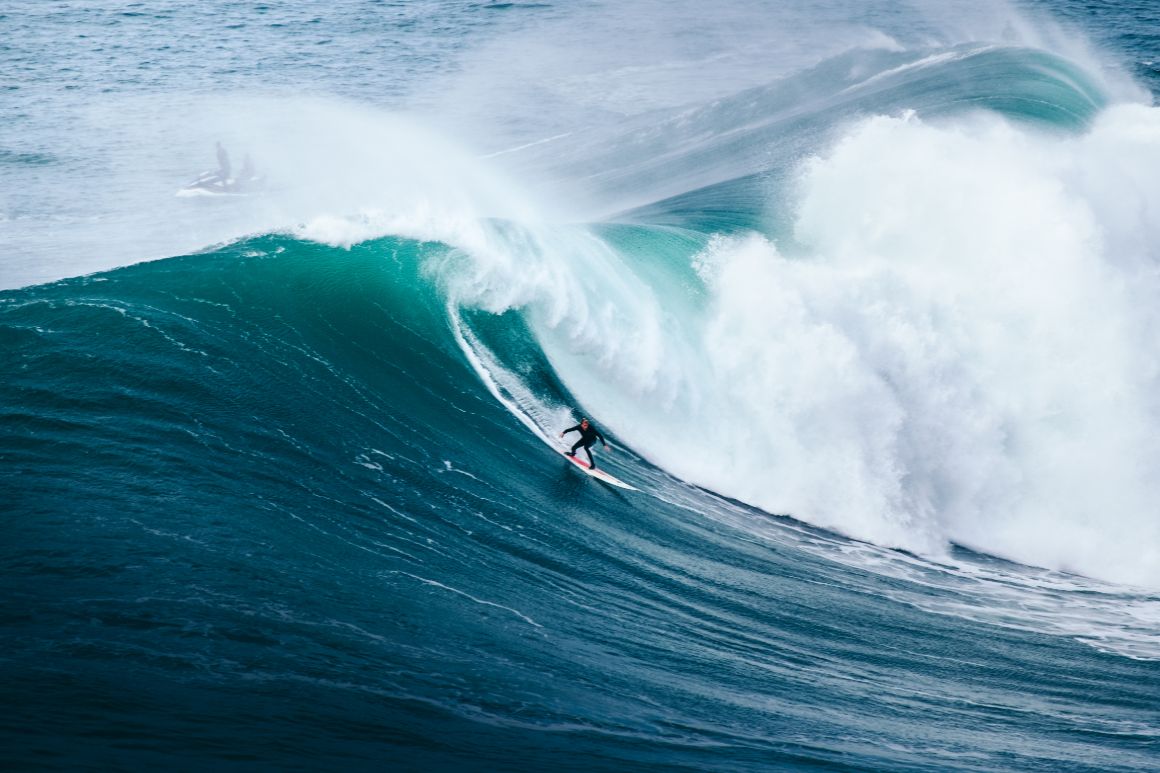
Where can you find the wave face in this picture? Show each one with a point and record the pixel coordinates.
(265, 488)
(872, 329)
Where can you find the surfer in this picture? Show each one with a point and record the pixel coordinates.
(223, 162)
(588, 437)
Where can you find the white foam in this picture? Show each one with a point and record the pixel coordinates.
(965, 347)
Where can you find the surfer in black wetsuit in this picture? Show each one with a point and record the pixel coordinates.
(223, 163)
(588, 437)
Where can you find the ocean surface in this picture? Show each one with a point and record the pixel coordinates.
(864, 295)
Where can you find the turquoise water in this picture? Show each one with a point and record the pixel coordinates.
(862, 296)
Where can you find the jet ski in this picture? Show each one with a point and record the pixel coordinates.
(214, 183)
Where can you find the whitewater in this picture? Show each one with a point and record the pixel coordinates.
(864, 295)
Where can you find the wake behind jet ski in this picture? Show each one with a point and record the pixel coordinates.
(221, 182)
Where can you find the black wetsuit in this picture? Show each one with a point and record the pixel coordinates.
(588, 438)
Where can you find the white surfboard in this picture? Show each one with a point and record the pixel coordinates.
(598, 473)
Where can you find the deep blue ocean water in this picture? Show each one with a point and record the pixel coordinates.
(863, 296)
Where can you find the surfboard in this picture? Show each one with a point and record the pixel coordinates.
(599, 474)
